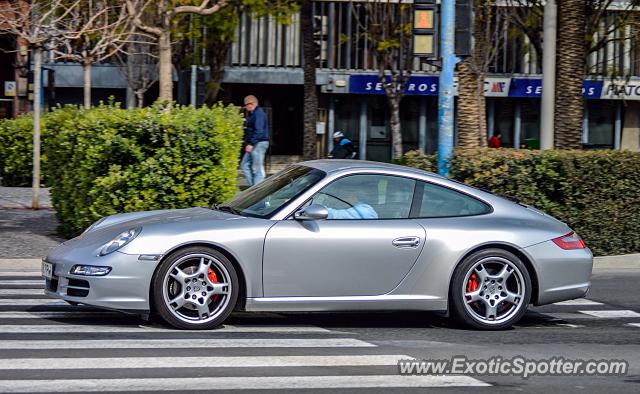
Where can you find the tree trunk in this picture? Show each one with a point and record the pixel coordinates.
(165, 79)
(86, 72)
(472, 118)
(217, 52)
(37, 85)
(570, 71)
(309, 150)
(140, 98)
(472, 122)
(394, 123)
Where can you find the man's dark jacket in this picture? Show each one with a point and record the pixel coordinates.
(256, 128)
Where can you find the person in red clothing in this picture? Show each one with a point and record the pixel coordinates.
(494, 141)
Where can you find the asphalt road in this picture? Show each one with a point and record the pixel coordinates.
(49, 346)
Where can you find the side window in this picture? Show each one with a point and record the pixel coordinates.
(367, 197)
(438, 201)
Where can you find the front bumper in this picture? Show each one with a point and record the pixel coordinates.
(126, 287)
(562, 274)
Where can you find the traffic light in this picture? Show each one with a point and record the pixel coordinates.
(464, 24)
(425, 31)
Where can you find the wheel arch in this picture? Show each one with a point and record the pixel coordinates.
(240, 302)
(533, 274)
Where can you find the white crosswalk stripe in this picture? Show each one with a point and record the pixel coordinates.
(33, 282)
(20, 273)
(6, 292)
(578, 301)
(619, 314)
(237, 383)
(183, 343)
(257, 350)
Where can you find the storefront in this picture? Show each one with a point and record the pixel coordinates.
(513, 110)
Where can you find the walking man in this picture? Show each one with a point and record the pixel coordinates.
(256, 141)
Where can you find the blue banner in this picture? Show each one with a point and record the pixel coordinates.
(370, 84)
(428, 86)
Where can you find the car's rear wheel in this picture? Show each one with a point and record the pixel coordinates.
(490, 290)
(195, 288)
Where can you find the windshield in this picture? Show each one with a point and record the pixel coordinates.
(274, 192)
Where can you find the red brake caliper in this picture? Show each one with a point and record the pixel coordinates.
(472, 285)
(214, 279)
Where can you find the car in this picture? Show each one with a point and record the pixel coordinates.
(328, 235)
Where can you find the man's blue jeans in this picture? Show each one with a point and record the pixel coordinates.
(252, 164)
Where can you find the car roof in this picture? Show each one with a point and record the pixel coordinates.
(334, 165)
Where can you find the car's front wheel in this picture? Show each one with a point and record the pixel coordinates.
(195, 288)
(490, 289)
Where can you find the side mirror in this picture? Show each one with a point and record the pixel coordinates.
(312, 212)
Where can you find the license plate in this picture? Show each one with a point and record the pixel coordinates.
(47, 270)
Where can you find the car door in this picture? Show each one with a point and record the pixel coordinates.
(366, 246)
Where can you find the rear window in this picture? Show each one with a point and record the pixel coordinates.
(438, 201)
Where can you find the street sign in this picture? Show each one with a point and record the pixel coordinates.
(10, 88)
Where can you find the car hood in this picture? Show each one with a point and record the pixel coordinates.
(135, 219)
(150, 221)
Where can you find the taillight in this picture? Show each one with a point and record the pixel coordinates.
(570, 241)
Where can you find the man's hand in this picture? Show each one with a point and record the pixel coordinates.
(248, 148)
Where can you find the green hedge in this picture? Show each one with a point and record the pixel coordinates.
(597, 193)
(109, 160)
(16, 147)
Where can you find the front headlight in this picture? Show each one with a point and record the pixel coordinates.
(120, 241)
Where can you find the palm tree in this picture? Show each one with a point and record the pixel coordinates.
(570, 71)
(309, 68)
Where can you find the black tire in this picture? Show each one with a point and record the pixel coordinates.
(190, 316)
(493, 304)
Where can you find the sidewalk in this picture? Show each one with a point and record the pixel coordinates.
(25, 233)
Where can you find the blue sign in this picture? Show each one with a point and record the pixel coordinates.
(370, 84)
(428, 86)
(592, 89)
(525, 87)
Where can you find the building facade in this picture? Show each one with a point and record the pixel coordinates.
(266, 60)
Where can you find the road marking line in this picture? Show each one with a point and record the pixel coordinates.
(21, 273)
(201, 362)
(31, 301)
(59, 315)
(182, 343)
(578, 301)
(5, 292)
(612, 314)
(568, 315)
(237, 383)
(71, 328)
(634, 324)
(20, 282)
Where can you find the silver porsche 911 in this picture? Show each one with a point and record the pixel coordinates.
(324, 235)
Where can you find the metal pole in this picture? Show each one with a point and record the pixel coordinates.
(37, 106)
(517, 125)
(446, 99)
(332, 124)
(194, 80)
(362, 148)
(618, 126)
(547, 114)
(422, 126)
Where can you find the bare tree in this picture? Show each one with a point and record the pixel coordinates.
(156, 18)
(490, 22)
(139, 66)
(387, 25)
(92, 33)
(36, 24)
(310, 95)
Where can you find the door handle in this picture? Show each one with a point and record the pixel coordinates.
(406, 242)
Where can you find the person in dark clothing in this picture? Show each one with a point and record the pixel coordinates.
(343, 147)
(256, 142)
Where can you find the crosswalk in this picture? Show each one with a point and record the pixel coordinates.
(47, 345)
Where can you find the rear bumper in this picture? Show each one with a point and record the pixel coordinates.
(562, 274)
